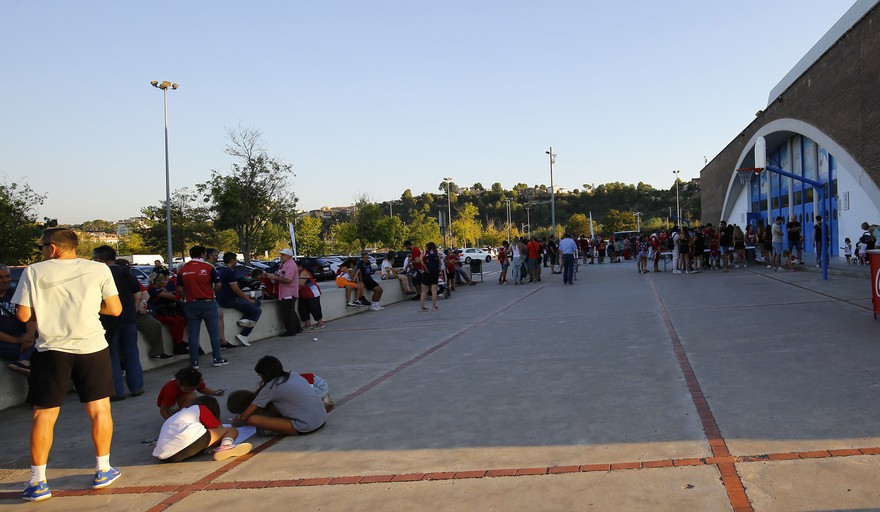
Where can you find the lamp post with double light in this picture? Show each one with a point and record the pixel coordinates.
(677, 209)
(164, 86)
(449, 210)
(552, 193)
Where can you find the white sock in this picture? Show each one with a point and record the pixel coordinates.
(102, 463)
(38, 473)
(227, 441)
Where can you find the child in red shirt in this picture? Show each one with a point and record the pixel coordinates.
(180, 392)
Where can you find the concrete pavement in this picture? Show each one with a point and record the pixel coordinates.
(712, 391)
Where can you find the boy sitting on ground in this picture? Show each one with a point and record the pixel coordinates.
(180, 392)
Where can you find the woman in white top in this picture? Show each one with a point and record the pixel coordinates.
(517, 259)
(389, 273)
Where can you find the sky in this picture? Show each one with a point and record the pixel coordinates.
(372, 98)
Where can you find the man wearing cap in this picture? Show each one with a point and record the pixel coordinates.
(287, 279)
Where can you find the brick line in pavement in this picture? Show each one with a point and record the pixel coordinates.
(207, 485)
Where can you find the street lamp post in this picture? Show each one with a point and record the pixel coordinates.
(164, 86)
(529, 220)
(449, 209)
(677, 209)
(638, 216)
(508, 219)
(552, 193)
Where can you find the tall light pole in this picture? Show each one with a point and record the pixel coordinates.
(449, 210)
(638, 216)
(164, 86)
(677, 209)
(391, 208)
(529, 220)
(508, 220)
(552, 193)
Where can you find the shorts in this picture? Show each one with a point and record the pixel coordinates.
(505, 265)
(724, 249)
(369, 283)
(739, 246)
(777, 247)
(345, 283)
(52, 372)
(794, 244)
(198, 446)
(429, 278)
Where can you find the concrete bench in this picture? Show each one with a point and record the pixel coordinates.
(13, 387)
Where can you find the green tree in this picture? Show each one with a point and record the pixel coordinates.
(253, 195)
(99, 225)
(579, 224)
(423, 229)
(18, 223)
(191, 224)
(308, 236)
(494, 235)
(392, 233)
(619, 221)
(343, 238)
(466, 228)
(366, 219)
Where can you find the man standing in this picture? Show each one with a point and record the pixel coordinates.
(794, 240)
(121, 330)
(534, 254)
(817, 240)
(776, 235)
(231, 296)
(415, 261)
(568, 249)
(65, 294)
(287, 279)
(16, 338)
(198, 280)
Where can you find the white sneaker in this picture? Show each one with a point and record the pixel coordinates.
(225, 452)
(376, 307)
(243, 340)
(244, 322)
(676, 271)
(769, 266)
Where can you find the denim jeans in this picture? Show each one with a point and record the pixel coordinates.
(196, 312)
(124, 354)
(248, 311)
(517, 263)
(568, 268)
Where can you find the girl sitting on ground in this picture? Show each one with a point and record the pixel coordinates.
(194, 429)
(285, 403)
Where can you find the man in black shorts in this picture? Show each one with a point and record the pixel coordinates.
(365, 275)
(62, 292)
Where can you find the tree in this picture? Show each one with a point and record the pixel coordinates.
(191, 224)
(423, 229)
(466, 228)
(308, 236)
(99, 225)
(619, 221)
(366, 219)
(392, 233)
(579, 224)
(493, 235)
(253, 194)
(18, 223)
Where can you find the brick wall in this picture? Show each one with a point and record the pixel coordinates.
(839, 95)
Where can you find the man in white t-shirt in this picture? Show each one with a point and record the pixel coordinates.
(65, 294)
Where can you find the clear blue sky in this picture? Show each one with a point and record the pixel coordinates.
(376, 97)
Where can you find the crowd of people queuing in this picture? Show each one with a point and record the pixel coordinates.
(90, 313)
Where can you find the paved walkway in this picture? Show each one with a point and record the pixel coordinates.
(715, 391)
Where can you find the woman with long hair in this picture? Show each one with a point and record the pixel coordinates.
(430, 259)
(285, 402)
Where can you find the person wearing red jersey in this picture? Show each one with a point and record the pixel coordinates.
(198, 280)
(503, 259)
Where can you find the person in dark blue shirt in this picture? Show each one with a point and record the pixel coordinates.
(231, 296)
(364, 274)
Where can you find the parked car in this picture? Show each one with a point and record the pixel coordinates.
(319, 267)
(472, 253)
(140, 275)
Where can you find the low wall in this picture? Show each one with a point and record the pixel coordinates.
(13, 387)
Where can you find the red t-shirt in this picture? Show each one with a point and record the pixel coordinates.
(197, 278)
(502, 255)
(534, 249)
(414, 255)
(207, 418)
(171, 391)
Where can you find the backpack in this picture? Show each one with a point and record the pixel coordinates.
(432, 261)
(670, 242)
